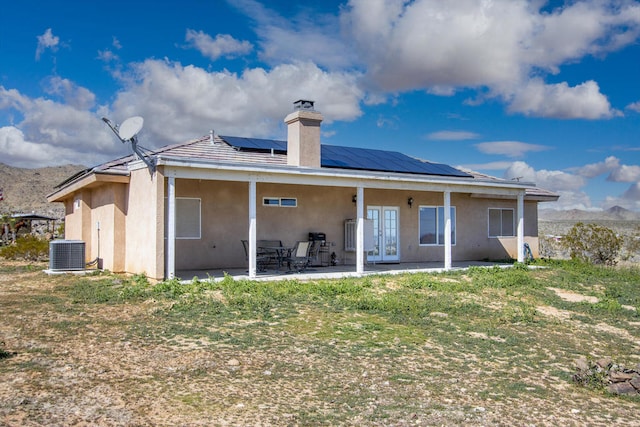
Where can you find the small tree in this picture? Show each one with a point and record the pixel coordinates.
(593, 243)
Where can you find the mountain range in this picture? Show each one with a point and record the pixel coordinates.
(25, 190)
(615, 213)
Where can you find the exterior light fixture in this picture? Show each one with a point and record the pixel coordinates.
(354, 199)
(410, 201)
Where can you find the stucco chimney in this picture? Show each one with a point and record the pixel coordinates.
(303, 135)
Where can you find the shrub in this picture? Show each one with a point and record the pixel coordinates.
(632, 244)
(27, 247)
(593, 243)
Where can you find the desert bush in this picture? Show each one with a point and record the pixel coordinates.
(632, 244)
(593, 243)
(27, 247)
(546, 247)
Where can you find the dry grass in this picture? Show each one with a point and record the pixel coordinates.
(408, 350)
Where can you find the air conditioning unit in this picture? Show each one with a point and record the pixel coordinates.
(66, 255)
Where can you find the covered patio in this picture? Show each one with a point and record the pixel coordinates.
(332, 272)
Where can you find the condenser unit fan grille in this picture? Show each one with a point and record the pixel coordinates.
(66, 255)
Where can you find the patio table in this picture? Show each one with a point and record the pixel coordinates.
(282, 253)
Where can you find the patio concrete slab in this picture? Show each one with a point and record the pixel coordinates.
(332, 272)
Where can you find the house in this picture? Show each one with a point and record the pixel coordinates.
(189, 205)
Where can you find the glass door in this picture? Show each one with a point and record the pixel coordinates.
(386, 235)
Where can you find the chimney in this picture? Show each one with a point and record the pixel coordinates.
(303, 135)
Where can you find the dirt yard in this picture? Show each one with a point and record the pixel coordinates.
(71, 363)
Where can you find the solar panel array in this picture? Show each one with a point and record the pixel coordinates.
(256, 143)
(335, 156)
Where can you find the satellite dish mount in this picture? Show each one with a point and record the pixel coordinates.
(128, 132)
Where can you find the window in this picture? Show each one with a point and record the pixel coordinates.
(187, 218)
(501, 223)
(288, 202)
(432, 225)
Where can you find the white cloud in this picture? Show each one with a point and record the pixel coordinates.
(46, 41)
(571, 200)
(53, 133)
(550, 180)
(633, 193)
(509, 148)
(625, 173)
(107, 56)
(592, 170)
(612, 166)
(630, 199)
(307, 36)
(499, 44)
(635, 106)
(76, 96)
(452, 135)
(487, 166)
(182, 102)
(222, 45)
(538, 99)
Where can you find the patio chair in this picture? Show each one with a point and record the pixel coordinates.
(262, 260)
(299, 259)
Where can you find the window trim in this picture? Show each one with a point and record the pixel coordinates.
(454, 227)
(513, 223)
(282, 202)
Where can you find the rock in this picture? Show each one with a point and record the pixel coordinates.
(604, 363)
(618, 377)
(581, 364)
(233, 362)
(622, 388)
(636, 382)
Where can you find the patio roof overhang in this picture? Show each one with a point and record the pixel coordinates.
(195, 169)
(90, 180)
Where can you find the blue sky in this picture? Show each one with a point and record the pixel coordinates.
(546, 92)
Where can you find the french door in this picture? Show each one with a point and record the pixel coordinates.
(386, 233)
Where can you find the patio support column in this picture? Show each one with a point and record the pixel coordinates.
(252, 228)
(360, 230)
(447, 230)
(520, 214)
(171, 228)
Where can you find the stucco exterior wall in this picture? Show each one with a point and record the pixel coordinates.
(78, 219)
(224, 216)
(225, 221)
(144, 224)
(108, 230)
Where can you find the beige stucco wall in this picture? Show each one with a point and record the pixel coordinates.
(108, 204)
(144, 224)
(472, 241)
(225, 220)
(324, 209)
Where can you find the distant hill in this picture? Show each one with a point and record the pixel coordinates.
(26, 190)
(615, 213)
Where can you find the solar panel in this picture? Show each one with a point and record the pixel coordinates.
(335, 156)
(256, 143)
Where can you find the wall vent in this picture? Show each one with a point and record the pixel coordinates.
(66, 255)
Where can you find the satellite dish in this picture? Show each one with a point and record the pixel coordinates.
(130, 127)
